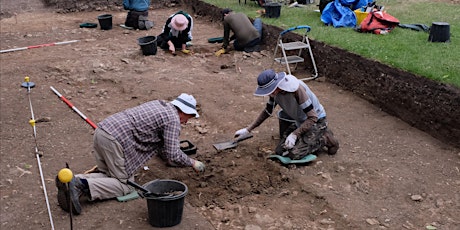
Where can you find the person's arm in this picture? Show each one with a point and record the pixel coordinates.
(166, 35)
(226, 35)
(266, 113)
(307, 107)
(190, 28)
(174, 155)
(166, 28)
(172, 152)
(312, 118)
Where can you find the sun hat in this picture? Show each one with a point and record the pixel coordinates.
(268, 81)
(186, 103)
(289, 84)
(179, 22)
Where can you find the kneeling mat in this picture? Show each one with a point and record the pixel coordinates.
(216, 40)
(132, 196)
(287, 160)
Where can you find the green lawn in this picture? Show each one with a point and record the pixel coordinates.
(402, 48)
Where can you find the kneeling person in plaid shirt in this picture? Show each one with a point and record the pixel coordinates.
(124, 142)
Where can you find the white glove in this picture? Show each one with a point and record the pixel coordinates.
(290, 141)
(198, 166)
(242, 132)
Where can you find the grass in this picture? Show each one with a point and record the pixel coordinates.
(402, 48)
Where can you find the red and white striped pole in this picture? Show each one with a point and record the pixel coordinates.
(74, 108)
(38, 46)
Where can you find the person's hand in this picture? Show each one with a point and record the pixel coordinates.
(241, 133)
(186, 51)
(172, 49)
(220, 52)
(198, 166)
(290, 141)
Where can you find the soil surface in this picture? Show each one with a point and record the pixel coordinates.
(386, 175)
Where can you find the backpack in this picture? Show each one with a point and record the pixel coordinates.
(378, 22)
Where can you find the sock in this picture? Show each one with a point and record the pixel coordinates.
(85, 188)
(84, 182)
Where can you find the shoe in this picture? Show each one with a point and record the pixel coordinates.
(149, 25)
(331, 142)
(72, 192)
(126, 27)
(293, 5)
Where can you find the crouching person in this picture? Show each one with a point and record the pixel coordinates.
(124, 142)
(310, 133)
(138, 13)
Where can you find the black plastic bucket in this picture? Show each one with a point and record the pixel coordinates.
(166, 207)
(105, 21)
(148, 45)
(284, 121)
(272, 10)
(439, 32)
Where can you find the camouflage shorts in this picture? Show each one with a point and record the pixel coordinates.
(309, 143)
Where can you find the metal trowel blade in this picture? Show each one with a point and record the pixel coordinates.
(230, 144)
(225, 145)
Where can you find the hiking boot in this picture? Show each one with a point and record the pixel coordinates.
(331, 142)
(70, 193)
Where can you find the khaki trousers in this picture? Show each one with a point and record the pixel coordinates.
(110, 161)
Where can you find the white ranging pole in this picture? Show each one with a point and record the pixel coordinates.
(28, 84)
(38, 46)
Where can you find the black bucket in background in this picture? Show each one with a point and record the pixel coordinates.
(105, 21)
(284, 122)
(148, 45)
(272, 10)
(165, 210)
(303, 2)
(439, 32)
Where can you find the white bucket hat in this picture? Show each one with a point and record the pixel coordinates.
(186, 103)
(289, 83)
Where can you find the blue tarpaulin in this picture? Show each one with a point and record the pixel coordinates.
(339, 13)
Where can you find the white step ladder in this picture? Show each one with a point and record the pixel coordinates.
(293, 46)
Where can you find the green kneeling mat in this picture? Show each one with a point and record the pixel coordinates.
(216, 40)
(88, 25)
(287, 160)
(132, 196)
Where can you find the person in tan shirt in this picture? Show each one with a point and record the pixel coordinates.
(246, 35)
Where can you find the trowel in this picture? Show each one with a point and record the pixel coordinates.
(230, 144)
(145, 192)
